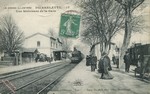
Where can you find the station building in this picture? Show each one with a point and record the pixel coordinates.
(43, 43)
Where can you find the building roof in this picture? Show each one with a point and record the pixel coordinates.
(29, 50)
(40, 34)
(53, 38)
(59, 40)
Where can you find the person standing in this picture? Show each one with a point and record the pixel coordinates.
(87, 60)
(114, 59)
(106, 67)
(127, 61)
(117, 61)
(100, 66)
(93, 63)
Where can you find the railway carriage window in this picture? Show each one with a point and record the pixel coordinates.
(53, 45)
(56, 45)
(149, 50)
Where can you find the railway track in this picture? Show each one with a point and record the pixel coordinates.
(27, 79)
(20, 75)
(53, 82)
(11, 74)
(42, 86)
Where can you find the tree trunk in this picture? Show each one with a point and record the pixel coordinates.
(127, 34)
(92, 51)
(104, 47)
(107, 47)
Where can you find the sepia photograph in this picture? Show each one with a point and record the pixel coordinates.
(74, 47)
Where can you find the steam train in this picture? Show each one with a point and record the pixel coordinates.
(77, 56)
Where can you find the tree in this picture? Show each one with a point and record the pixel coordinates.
(103, 18)
(66, 44)
(129, 6)
(11, 38)
(51, 32)
(90, 38)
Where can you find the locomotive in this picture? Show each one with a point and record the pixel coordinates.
(77, 56)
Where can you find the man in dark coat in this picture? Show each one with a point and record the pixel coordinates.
(117, 61)
(127, 61)
(93, 63)
(114, 59)
(100, 66)
(87, 60)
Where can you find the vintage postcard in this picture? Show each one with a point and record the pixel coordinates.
(74, 47)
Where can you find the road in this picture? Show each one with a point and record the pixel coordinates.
(82, 81)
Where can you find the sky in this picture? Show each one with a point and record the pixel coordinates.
(31, 22)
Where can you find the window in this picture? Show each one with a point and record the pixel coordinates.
(38, 43)
(51, 44)
(56, 45)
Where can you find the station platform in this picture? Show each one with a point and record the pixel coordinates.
(81, 80)
(7, 69)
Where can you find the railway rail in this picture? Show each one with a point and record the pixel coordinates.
(24, 79)
(52, 82)
(10, 74)
(19, 75)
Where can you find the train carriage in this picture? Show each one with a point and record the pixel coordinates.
(137, 51)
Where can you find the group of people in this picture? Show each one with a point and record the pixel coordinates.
(126, 58)
(104, 65)
(91, 61)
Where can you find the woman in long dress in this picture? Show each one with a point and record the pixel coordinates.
(106, 67)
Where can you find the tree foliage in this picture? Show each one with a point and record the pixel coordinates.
(129, 6)
(66, 44)
(103, 18)
(11, 37)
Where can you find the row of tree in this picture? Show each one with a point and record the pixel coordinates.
(103, 19)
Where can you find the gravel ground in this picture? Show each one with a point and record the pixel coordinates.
(37, 86)
(82, 81)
